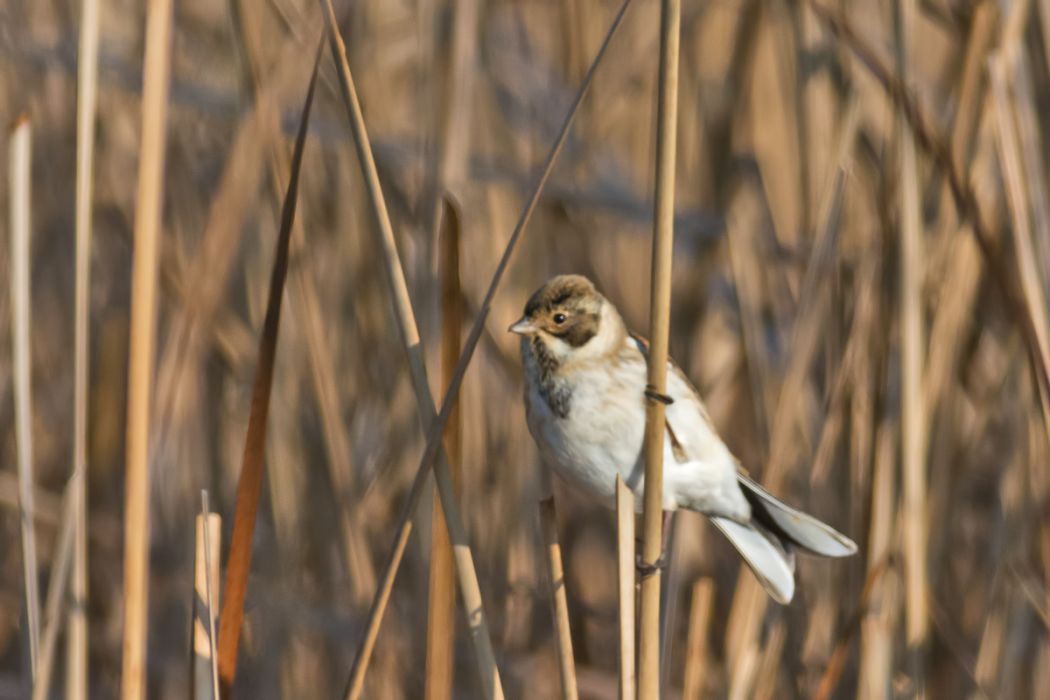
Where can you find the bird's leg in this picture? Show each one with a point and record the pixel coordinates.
(646, 569)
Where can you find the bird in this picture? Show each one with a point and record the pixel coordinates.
(585, 391)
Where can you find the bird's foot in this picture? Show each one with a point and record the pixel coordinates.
(646, 569)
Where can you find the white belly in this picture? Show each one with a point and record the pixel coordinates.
(603, 436)
(600, 438)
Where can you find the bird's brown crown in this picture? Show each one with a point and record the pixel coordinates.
(567, 307)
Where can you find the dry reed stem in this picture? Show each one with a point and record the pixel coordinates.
(875, 673)
(765, 683)
(87, 97)
(436, 428)
(962, 191)
(20, 179)
(559, 600)
(913, 414)
(143, 325)
(743, 674)
(625, 589)
(700, 610)
(207, 550)
(441, 623)
(58, 587)
(670, 593)
(1017, 196)
(1028, 129)
(491, 684)
(249, 485)
(659, 331)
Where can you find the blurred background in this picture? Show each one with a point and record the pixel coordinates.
(796, 250)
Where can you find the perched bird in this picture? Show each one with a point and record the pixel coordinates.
(585, 381)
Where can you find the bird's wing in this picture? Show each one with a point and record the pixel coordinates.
(690, 429)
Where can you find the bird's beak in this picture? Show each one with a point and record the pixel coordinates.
(522, 327)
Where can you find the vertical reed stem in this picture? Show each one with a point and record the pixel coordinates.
(559, 601)
(156, 71)
(87, 90)
(659, 320)
(19, 176)
(441, 622)
(913, 420)
(207, 533)
(875, 672)
(625, 586)
(696, 642)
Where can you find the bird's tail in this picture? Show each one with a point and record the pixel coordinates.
(775, 529)
(792, 526)
(772, 563)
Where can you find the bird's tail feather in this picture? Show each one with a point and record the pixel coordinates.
(772, 563)
(794, 526)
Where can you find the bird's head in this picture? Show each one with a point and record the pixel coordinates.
(570, 317)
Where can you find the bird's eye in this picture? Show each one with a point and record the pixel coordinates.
(559, 318)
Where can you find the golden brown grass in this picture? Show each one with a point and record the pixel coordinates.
(867, 327)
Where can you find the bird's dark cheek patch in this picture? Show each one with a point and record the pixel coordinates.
(579, 333)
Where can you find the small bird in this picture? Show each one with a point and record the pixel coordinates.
(585, 399)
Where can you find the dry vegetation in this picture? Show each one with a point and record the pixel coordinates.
(859, 293)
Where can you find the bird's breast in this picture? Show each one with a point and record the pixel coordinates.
(601, 432)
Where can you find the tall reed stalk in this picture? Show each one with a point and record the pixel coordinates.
(559, 598)
(149, 200)
(700, 610)
(625, 589)
(20, 157)
(659, 331)
(913, 418)
(441, 622)
(87, 92)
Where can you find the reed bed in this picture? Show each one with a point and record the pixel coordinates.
(857, 286)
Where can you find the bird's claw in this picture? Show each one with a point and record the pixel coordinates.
(646, 569)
